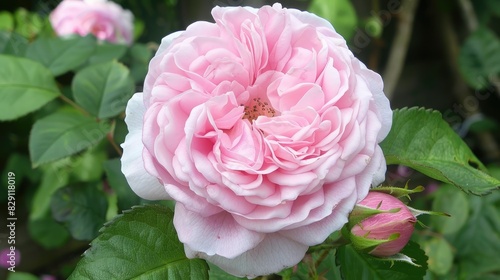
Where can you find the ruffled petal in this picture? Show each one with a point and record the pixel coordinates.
(275, 253)
(218, 234)
(167, 40)
(383, 107)
(141, 182)
(317, 232)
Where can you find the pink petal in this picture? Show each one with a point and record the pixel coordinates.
(316, 233)
(141, 182)
(167, 40)
(218, 234)
(275, 253)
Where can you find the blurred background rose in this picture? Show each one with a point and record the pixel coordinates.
(104, 19)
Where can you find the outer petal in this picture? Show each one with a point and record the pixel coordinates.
(317, 232)
(379, 160)
(141, 182)
(218, 234)
(167, 40)
(307, 17)
(375, 83)
(275, 253)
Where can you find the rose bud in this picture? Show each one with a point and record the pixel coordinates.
(381, 225)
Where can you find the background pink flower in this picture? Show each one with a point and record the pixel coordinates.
(9, 258)
(264, 128)
(104, 19)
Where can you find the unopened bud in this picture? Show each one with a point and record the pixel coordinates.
(381, 225)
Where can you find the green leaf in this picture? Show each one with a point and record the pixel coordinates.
(328, 267)
(48, 233)
(440, 255)
(374, 26)
(61, 55)
(25, 86)
(20, 165)
(480, 58)
(12, 43)
(62, 134)
(361, 266)
(88, 166)
(21, 276)
(126, 197)
(47, 30)
(216, 273)
(478, 242)
(6, 21)
(138, 28)
(103, 89)
(105, 52)
(112, 206)
(485, 9)
(82, 208)
(140, 244)
(120, 131)
(26, 23)
(340, 13)
(448, 200)
(139, 55)
(54, 177)
(422, 140)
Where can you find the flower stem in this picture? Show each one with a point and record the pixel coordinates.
(111, 139)
(329, 244)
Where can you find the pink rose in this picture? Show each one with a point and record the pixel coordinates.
(391, 230)
(105, 20)
(264, 128)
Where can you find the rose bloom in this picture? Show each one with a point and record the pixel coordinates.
(105, 20)
(264, 128)
(383, 225)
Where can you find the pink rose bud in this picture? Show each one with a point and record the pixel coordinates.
(104, 19)
(381, 225)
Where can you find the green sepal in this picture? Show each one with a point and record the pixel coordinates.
(417, 212)
(399, 257)
(360, 213)
(367, 245)
(397, 191)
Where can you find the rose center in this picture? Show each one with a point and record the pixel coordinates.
(257, 107)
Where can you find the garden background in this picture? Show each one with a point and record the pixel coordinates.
(443, 55)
